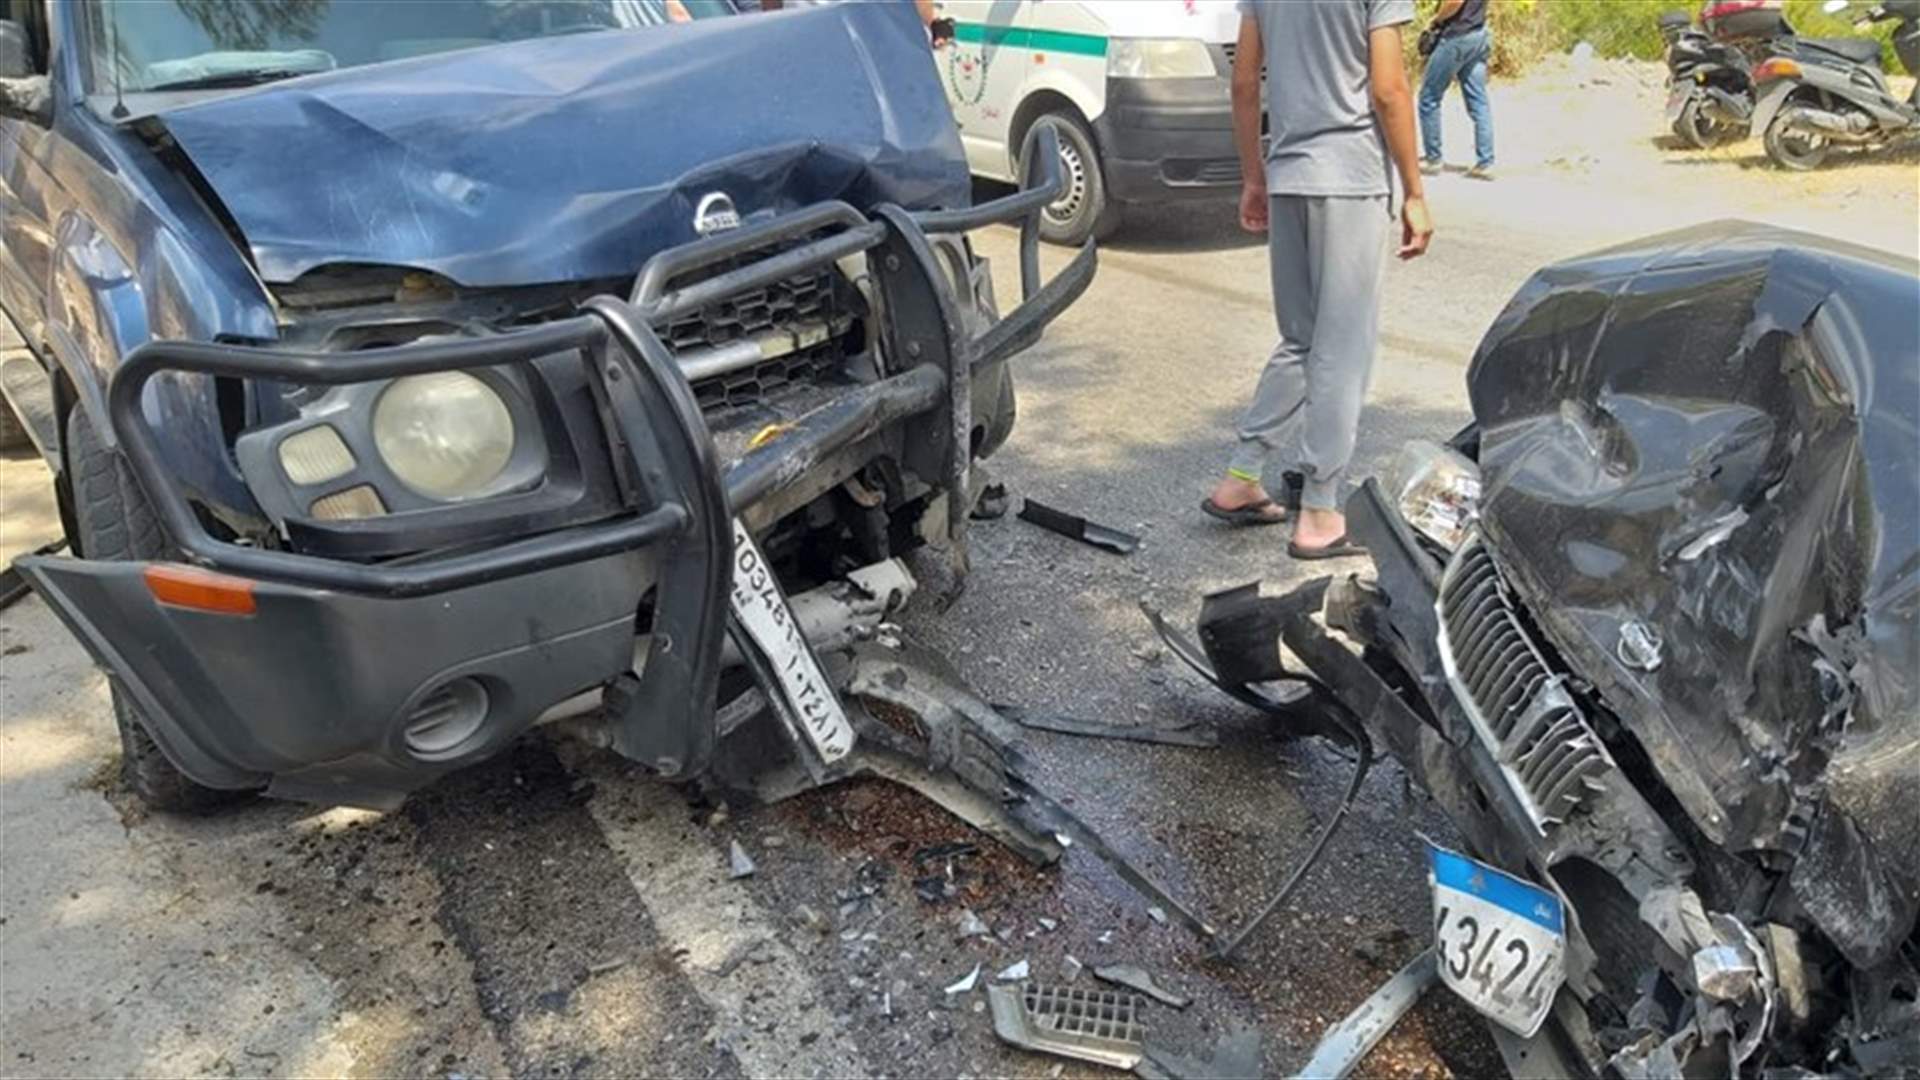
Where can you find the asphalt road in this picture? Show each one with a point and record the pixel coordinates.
(556, 913)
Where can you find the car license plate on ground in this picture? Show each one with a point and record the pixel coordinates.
(1500, 942)
(763, 610)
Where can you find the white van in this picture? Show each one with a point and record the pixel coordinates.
(1137, 89)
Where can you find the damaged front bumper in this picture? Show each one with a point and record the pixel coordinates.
(1444, 670)
(360, 658)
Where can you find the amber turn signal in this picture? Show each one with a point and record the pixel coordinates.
(201, 590)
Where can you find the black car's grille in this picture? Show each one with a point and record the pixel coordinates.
(1518, 704)
(799, 324)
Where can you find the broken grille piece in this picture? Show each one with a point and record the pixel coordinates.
(1100, 1026)
(1518, 704)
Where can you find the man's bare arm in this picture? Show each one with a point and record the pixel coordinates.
(1393, 105)
(1247, 62)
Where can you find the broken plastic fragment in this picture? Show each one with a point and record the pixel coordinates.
(966, 984)
(1049, 924)
(1105, 938)
(1157, 914)
(1072, 967)
(970, 925)
(1134, 978)
(738, 864)
(1014, 972)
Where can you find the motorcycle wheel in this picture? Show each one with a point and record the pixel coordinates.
(1791, 146)
(1701, 131)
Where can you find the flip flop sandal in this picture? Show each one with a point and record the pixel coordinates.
(1338, 548)
(1252, 514)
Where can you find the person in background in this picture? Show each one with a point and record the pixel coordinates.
(1340, 117)
(1461, 52)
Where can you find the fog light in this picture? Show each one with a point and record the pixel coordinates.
(355, 502)
(446, 719)
(315, 456)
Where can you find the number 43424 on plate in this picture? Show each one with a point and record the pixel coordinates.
(1500, 942)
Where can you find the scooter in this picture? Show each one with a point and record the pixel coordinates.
(1710, 89)
(1710, 64)
(1814, 95)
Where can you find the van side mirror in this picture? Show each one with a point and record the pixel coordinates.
(23, 93)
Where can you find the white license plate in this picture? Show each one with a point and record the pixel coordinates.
(1500, 942)
(763, 610)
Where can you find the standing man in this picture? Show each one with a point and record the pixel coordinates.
(1340, 117)
(1461, 52)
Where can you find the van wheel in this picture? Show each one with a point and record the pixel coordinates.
(1082, 211)
(1791, 145)
(116, 523)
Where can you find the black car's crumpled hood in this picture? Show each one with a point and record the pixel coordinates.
(576, 157)
(1716, 434)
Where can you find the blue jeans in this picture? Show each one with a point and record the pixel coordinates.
(1463, 57)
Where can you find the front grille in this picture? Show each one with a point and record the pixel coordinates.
(799, 325)
(1518, 703)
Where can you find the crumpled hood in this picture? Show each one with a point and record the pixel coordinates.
(577, 157)
(1711, 436)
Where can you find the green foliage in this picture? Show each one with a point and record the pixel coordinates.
(1525, 30)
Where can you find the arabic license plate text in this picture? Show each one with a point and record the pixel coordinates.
(763, 610)
(1500, 942)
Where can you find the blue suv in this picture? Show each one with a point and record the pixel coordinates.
(414, 373)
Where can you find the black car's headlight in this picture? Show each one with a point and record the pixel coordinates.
(1437, 489)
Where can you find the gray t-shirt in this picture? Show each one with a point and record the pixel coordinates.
(1323, 137)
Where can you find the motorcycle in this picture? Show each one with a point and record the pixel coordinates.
(1816, 94)
(1710, 87)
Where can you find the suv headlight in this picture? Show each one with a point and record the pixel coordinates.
(1159, 58)
(1438, 491)
(446, 435)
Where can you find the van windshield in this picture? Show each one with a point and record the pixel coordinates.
(161, 45)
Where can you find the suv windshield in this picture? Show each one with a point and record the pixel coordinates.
(208, 44)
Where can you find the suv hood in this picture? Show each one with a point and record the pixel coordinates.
(1709, 436)
(577, 157)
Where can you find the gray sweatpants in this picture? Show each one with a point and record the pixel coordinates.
(1327, 256)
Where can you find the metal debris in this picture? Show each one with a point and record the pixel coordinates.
(1724, 972)
(1098, 1026)
(1015, 972)
(738, 864)
(966, 985)
(1134, 978)
(1346, 1043)
(1192, 733)
(1078, 528)
(971, 925)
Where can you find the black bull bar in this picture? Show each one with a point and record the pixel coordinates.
(681, 500)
